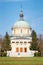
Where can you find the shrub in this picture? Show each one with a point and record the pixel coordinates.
(36, 54)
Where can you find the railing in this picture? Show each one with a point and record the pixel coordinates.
(18, 37)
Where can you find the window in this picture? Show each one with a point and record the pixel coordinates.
(17, 49)
(21, 30)
(25, 49)
(21, 42)
(17, 42)
(28, 42)
(25, 42)
(21, 49)
(13, 42)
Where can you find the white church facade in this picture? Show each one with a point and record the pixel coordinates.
(21, 39)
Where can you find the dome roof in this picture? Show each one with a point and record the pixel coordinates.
(21, 23)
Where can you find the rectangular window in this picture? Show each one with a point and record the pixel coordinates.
(21, 42)
(17, 49)
(25, 49)
(13, 42)
(25, 42)
(21, 49)
(17, 42)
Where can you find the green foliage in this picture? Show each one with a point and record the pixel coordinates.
(34, 41)
(36, 54)
(2, 53)
(34, 36)
(39, 52)
(6, 42)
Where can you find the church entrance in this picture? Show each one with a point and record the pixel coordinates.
(21, 49)
(17, 49)
(25, 49)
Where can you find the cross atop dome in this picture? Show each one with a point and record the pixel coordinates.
(21, 14)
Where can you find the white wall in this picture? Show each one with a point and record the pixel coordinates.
(25, 31)
(14, 45)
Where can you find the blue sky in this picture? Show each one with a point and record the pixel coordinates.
(10, 10)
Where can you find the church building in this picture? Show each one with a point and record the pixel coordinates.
(21, 39)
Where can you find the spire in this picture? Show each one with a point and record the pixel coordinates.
(21, 14)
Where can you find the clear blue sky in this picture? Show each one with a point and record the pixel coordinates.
(9, 14)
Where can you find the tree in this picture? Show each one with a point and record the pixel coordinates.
(40, 44)
(0, 43)
(6, 43)
(34, 41)
(1, 40)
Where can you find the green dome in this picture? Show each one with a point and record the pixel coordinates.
(21, 23)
